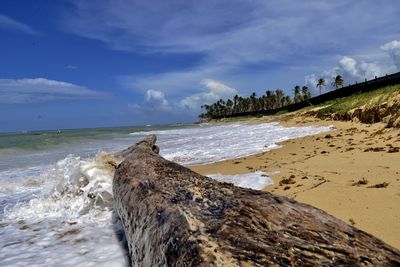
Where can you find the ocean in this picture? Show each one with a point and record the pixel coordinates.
(56, 187)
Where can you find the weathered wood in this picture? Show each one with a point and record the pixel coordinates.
(173, 216)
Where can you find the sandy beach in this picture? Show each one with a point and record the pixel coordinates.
(352, 172)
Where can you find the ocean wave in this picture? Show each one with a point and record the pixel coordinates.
(80, 184)
(71, 224)
(216, 143)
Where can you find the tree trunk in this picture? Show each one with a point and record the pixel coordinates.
(173, 216)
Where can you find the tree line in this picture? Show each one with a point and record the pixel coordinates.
(270, 100)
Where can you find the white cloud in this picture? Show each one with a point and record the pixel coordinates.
(71, 67)
(134, 106)
(349, 65)
(11, 24)
(173, 82)
(393, 49)
(156, 100)
(233, 31)
(215, 90)
(218, 88)
(350, 70)
(353, 70)
(212, 91)
(17, 91)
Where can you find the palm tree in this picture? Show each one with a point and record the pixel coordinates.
(320, 84)
(229, 105)
(337, 81)
(279, 95)
(253, 99)
(268, 99)
(297, 94)
(306, 93)
(288, 100)
(235, 102)
(238, 104)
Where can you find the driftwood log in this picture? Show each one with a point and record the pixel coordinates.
(173, 216)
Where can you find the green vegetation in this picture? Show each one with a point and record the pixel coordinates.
(282, 112)
(271, 100)
(320, 84)
(342, 105)
(337, 82)
(369, 99)
(232, 119)
(277, 100)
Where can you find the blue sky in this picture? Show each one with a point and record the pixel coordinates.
(72, 64)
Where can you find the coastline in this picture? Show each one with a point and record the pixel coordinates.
(351, 172)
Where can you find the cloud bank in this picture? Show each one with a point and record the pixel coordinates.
(19, 91)
(251, 44)
(229, 31)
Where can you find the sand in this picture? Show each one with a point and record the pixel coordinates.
(352, 172)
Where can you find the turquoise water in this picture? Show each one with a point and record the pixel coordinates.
(41, 140)
(29, 149)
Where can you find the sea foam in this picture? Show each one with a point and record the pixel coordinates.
(254, 180)
(214, 143)
(72, 224)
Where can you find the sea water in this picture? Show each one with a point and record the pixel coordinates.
(56, 187)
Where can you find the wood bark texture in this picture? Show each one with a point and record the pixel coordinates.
(173, 216)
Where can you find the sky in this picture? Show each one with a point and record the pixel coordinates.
(78, 64)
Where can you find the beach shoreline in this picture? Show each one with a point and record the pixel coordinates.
(350, 172)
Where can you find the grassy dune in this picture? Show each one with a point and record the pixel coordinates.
(368, 99)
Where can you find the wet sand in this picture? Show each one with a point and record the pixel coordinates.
(352, 172)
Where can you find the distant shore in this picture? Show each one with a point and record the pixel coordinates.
(352, 172)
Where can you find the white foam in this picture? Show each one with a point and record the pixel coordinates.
(209, 144)
(70, 226)
(254, 180)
